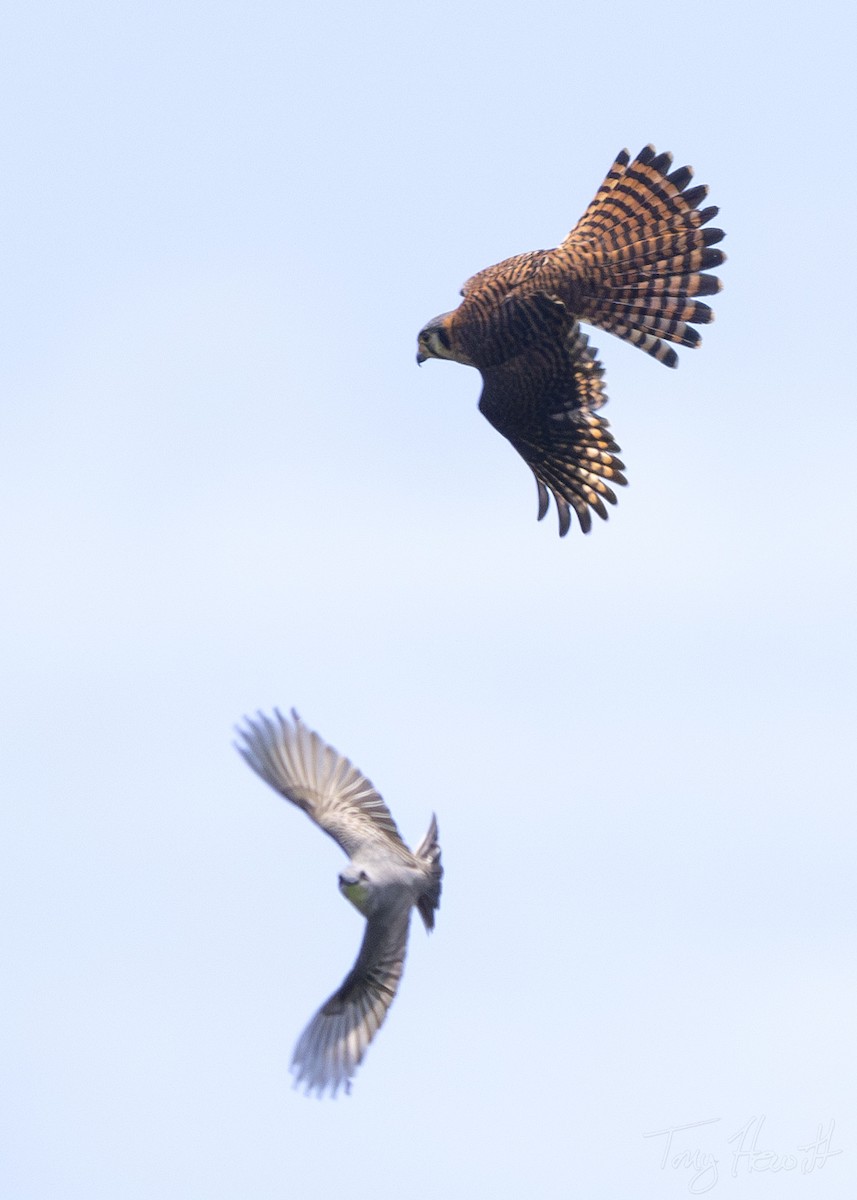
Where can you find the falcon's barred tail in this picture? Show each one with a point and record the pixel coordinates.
(640, 252)
(428, 852)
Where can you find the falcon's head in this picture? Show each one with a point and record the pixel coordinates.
(435, 340)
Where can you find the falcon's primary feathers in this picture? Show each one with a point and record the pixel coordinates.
(383, 880)
(632, 265)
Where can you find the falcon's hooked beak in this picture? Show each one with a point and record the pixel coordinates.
(424, 345)
(434, 340)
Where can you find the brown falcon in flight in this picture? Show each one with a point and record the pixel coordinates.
(633, 265)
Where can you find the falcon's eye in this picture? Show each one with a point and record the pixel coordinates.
(364, 878)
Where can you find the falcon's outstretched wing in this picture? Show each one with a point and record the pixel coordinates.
(333, 1044)
(298, 764)
(543, 401)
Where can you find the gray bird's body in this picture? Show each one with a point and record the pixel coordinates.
(383, 879)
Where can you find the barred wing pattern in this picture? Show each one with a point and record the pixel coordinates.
(544, 404)
(510, 273)
(333, 1044)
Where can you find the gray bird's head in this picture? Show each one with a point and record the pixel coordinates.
(356, 886)
(435, 339)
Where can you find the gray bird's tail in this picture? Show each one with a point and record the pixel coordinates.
(640, 251)
(428, 852)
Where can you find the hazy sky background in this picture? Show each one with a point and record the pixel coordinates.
(225, 485)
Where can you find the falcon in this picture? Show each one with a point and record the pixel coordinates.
(384, 880)
(634, 265)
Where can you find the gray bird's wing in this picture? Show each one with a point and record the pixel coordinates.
(543, 401)
(294, 760)
(333, 1044)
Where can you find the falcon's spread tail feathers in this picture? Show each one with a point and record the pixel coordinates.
(428, 851)
(640, 251)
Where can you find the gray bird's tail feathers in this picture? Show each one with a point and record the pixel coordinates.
(646, 251)
(428, 852)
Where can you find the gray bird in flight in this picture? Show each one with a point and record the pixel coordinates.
(383, 880)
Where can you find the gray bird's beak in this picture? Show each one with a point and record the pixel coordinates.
(421, 358)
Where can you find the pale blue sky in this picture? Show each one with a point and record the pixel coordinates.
(225, 485)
